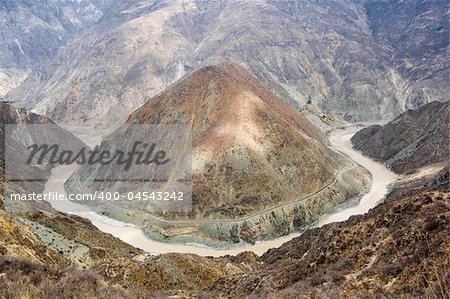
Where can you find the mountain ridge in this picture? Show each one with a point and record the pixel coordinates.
(323, 53)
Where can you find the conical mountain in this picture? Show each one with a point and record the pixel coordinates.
(250, 149)
(253, 155)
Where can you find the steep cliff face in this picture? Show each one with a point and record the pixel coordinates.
(337, 55)
(260, 169)
(414, 139)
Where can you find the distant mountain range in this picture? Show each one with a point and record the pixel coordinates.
(355, 60)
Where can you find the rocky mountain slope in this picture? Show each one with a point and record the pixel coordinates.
(400, 248)
(12, 115)
(414, 139)
(45, 254)
(20, 176)
(337, 55)
(418, 32)
(260, 169)
(360, 60)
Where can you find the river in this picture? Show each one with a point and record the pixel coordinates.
(131, 234)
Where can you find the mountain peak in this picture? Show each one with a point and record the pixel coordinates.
(223, 102)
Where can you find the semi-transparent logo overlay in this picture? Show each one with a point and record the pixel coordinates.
(145, 168)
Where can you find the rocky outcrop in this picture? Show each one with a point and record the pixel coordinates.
(415, 139)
